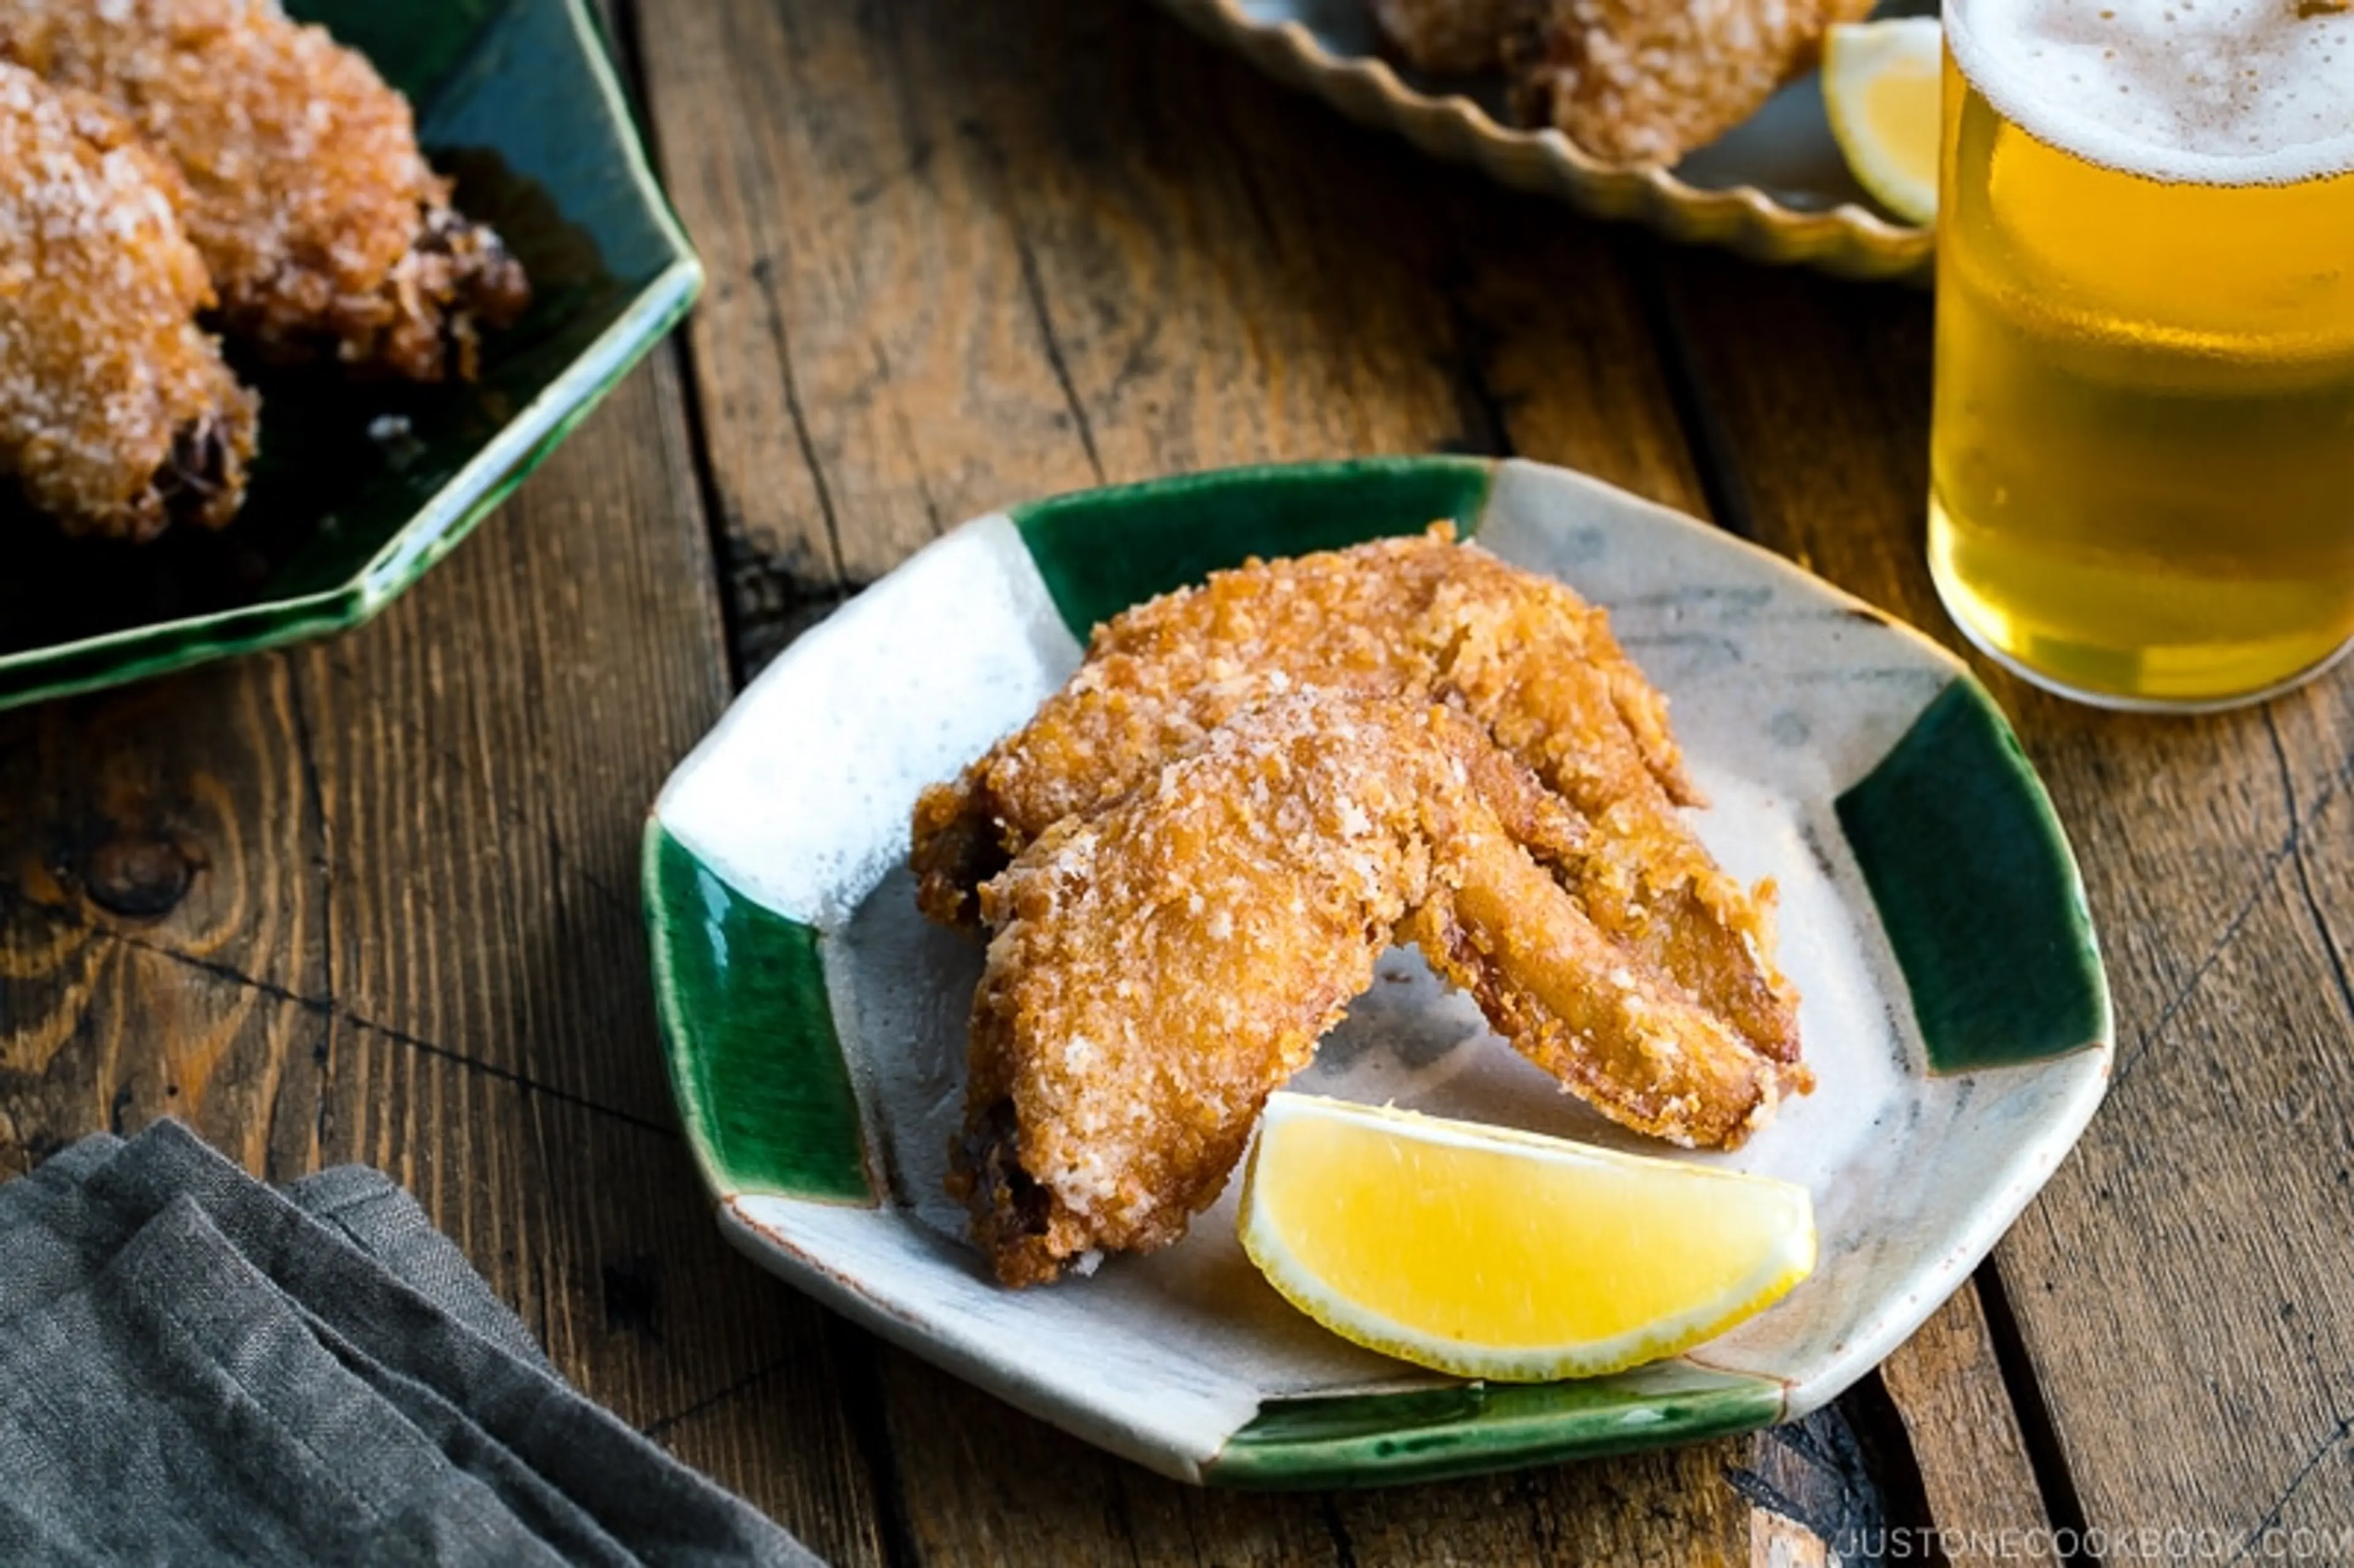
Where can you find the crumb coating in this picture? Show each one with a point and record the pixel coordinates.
(322, 225)
(117, 416)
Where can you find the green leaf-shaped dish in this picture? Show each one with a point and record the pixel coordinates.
(519, 100)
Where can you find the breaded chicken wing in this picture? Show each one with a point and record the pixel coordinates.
(1646, 81)
(117, 416)
(1447, 37)
(321, 222)
(1417, 618)
(1160, 967)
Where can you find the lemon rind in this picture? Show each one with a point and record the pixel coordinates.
(1781, 1266)
(1894, 192)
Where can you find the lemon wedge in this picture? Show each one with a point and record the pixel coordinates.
(1503, 1255)
(1880, 86)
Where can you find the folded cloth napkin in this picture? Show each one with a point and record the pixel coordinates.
(194, 1367)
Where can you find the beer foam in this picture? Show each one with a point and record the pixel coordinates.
(2230, 92)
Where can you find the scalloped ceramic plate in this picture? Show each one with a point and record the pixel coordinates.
(519, 100)
(1954, 1008)
(1774, 188)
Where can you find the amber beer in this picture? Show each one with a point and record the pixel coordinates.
(2142, 463)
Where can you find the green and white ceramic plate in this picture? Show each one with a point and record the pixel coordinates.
(1774, 187)
(1954, 1008)
(360, 489)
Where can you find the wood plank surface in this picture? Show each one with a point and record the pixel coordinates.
(1037, 247)
(2184, 1289)
(373, 899)
(1946, 1383)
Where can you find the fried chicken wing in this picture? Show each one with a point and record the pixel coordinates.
(1646, 81)
(1160, 967)
(1420, 618)
(117, 416)
(1447, 37)
(321, 222)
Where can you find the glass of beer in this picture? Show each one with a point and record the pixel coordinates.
(2142, 460)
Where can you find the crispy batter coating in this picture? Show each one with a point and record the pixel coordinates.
(319, 219)
(1646, 81)
(117, 416)
(1447, 37)
(1418, 618)
(1160, 967)
(1391, 618)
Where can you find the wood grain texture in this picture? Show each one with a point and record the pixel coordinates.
(982, 1484)
(375, 899)
(144, 860)
(965, 256)
(2181, 1288)
(577, 1219)
(1727, 367)
(1947, 1385)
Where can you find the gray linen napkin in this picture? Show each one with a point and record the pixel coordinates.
(195, 1368)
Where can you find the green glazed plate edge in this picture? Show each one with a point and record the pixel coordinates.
(1978, 890)
(1269, 509)
(1389, 1439)
(763, 1088)
(1385, 1438)
(140, 653)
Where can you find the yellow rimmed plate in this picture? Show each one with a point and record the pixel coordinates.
(1774, 189)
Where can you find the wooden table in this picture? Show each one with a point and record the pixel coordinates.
(375, 899)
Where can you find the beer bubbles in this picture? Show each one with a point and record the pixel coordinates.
(2231, 92)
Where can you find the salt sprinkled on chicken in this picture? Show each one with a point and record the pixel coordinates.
(117, 415)
(1254, 880)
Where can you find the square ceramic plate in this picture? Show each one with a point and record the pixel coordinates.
(519, 100)
(1774, 187)
(1954, 1009)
